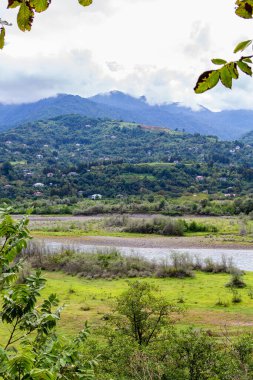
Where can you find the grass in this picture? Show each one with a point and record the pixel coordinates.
(79, 233)
(14, 163)
(91, 299)
(229, 229)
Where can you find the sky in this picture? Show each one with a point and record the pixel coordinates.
(156, 48)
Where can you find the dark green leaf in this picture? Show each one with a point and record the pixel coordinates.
(232, 67)
(244, 67)
(246, 59)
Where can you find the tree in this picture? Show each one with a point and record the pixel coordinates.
(142, 314)
(229, 70)
(32, 349)
(26, 13)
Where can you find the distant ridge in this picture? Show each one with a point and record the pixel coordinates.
(116, 105)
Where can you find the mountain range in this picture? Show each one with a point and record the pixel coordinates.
(227, 125)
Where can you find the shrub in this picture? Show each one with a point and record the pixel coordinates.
(111, 263)
(180, 265)
(222, 303)
(224, 266)
(236, 297)
(236, 281)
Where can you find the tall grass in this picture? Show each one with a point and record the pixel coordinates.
(111, 263)
(166, 226)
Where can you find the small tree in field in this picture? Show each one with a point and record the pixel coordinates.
(142, 314)
(30, 348)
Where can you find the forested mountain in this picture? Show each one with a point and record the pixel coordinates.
(227, 125)
(77, 156)
(247, 138)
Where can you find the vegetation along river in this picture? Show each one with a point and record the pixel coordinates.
(242, 258)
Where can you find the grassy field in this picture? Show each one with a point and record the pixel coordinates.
(91, 299)
(231, 231)
(234, 228)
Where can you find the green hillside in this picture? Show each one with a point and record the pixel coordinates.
(77, 156)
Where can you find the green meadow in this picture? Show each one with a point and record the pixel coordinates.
(228, 228)
(199, 297)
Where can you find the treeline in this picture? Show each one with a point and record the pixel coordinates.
(148, 204)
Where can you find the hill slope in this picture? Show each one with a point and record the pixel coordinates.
(73, 155)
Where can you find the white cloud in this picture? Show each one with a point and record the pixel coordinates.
(157, 48)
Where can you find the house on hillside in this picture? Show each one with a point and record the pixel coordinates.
(72, 174)
(38, 194)
(199, 178)
(96, 196)
(38, 184)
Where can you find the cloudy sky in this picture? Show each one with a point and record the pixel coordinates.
(155, 48)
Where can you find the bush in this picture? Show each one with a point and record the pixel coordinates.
(222, 303)
(160, 226)
(236, 281)
(225, 266)
(181, 266)
(236, 298)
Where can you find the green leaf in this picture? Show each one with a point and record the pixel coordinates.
(219, 61)
(244, 9)
(226, 77)
(25, 17)
(232, 67)
(40, 5)
(41, 374)
(85, 3)
(242, 46)
(206, 81)
(244, 68)
(21, 363)
(246, 59)
(2, 38)
(13, 4)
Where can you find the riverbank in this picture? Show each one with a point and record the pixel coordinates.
(181, 242)
(134, 231)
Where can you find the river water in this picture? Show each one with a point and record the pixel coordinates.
(242, 259)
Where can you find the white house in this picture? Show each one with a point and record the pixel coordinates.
(96, 196)
(39, 184)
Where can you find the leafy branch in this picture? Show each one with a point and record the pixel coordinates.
(229, 70)
(32, 350)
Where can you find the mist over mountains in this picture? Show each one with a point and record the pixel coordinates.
(227, 125)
